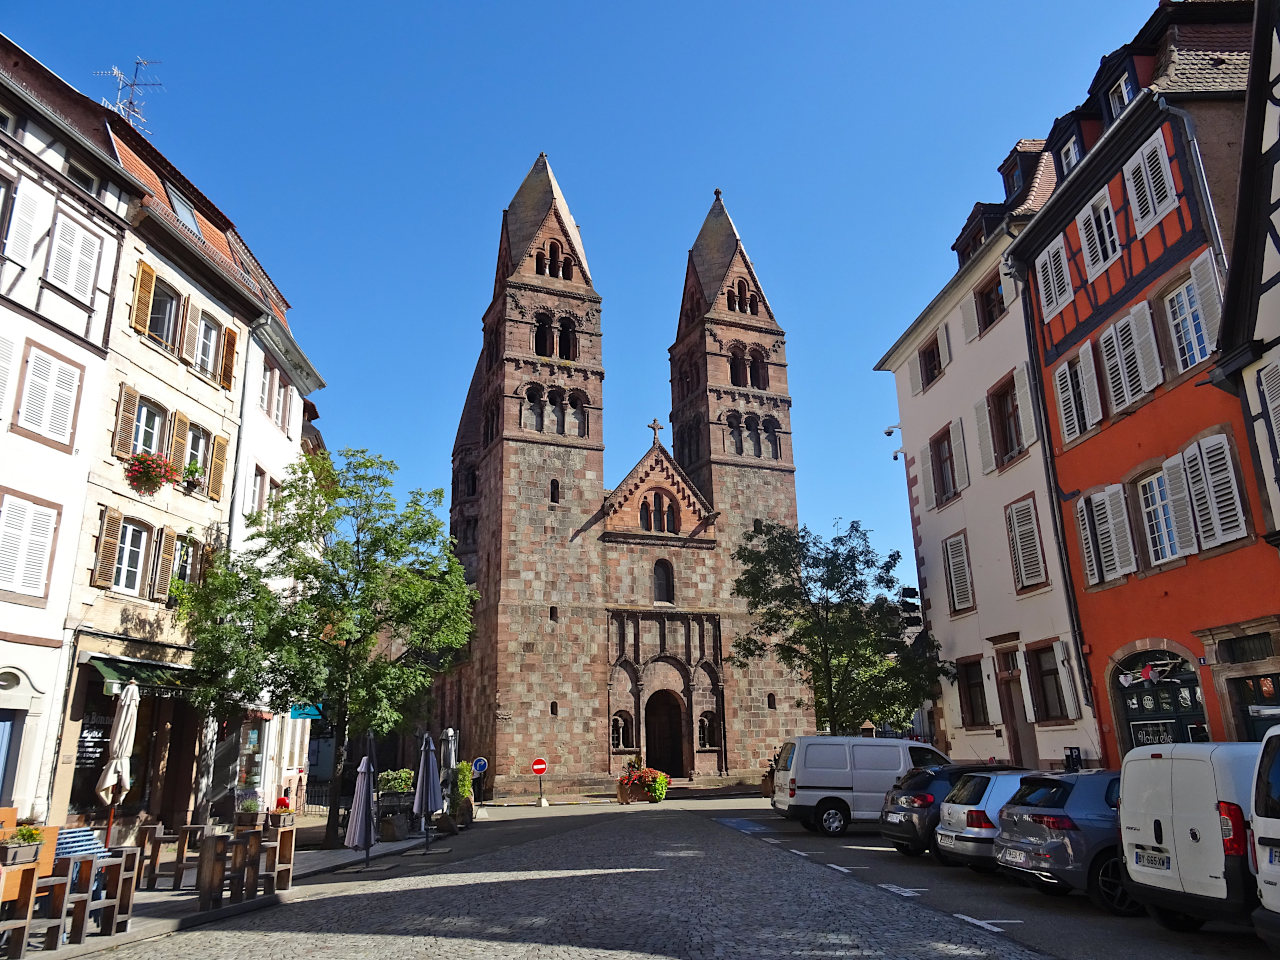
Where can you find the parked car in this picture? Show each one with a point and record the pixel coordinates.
(1062, 832)
(967, 827)
(1266, 839)
(1184, 816)
(911, 808)
(828, 782)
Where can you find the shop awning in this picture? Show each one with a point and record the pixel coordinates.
(156, 679)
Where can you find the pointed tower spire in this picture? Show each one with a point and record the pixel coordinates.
(539, 199)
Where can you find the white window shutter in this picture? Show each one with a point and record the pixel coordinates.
(913, 373)
(1026, 404)
(1158, 173)
(1139, 196)
(1204, 275)
(1028, 700)
(1104, 531)
(1126, 556)
(1008, 287)
(1268, 388)
(66, 237)
(1090, 243)
(1089, 387)
(1071, 426)
(1024, 544)
(62, 402)
(35, 561)
(1144, 340)
(6, 364)
(924, 465)
(86, 266)
(958, 457)
(1112, 370)
(944, 346)
(1044, 280)
(1224, 493)
(33, 409)
(14, 516)
(1086, 542)
(20, 243)
(1061, 273)
(1179, 496)
(1067, 678)
(1198, 491)
(986, 449)
(958, 573)
(969, 317)
(991, 689)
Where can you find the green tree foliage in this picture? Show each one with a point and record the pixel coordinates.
(833, 613)
(340, 598)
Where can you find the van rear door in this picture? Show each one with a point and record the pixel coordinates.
(1197, 833)
(1266, 820)
(782, 776)
(1146, 816)
(876, 767)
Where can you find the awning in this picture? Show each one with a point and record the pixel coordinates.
(155, 679)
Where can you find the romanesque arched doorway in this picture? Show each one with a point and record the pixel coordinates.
(664, 733)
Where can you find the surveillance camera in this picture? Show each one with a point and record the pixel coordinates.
(888, 431)
(895, 456)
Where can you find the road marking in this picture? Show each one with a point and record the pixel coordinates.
(799, 853)
(984, 924)
(743, 824)
(903, 891)
(854, 846)
(770, 839)
(836, 866)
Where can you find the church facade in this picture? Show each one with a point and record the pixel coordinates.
(606, 616)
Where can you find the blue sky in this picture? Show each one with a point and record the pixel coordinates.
(366, 152)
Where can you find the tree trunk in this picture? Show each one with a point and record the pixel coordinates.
(331, 839)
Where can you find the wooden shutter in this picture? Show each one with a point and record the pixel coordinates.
(66, 237)
(62, 402)
(164, 564)
(924, 468)
(1026, 404)
(144, 288)
(1067, 678)
(1118, 515)
(913, 373)
(1268, 389)
(1088, 377)
(1008, 288)
(1112, 370)
(178, 440)
(1180, 512)
(986, 449)
(958, 573)
(86, 266)
(1090, 242)
(1144, 341)
(14, 515)
(6, 364)
(104, 568)
(944, 346)
(188, 331)
(1071, 426)
(228, 357)
(34, 574)
(969, 317)
(1157, 167)
(1104, 532)
(991, 690)
(1061, 274)
(217, 466)
(1024, 677)
(1224, 493)
(1024, 544)
(48, 396)
(1090, 560)
(20, 243)
(126, 419)
(1198, 493)
(958, 454)
(1204, 275)
(1139, 194)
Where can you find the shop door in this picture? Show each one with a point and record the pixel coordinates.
(1161, 700)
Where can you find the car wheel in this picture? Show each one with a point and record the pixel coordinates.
(908, 849)
(832, 818)
(1175, 920)
(1106, 886)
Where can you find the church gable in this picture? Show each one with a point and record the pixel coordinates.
(739, 291)
(655, 493)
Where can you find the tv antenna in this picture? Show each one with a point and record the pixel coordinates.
(127, 103)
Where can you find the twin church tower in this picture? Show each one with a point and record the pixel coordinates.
(606, 616)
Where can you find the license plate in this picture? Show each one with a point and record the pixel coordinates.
(893, 818)
(1013, 856)
(946, 840)
(1273, 855)
(1152, 861)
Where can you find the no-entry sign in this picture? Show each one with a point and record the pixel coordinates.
(539, 766)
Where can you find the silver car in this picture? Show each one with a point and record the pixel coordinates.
(967, 826)
(1061, 832)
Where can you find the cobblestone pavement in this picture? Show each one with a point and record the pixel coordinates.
(643, 884)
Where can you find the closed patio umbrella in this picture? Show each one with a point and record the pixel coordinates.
(427, 797)
(360, 821)
(115, 780)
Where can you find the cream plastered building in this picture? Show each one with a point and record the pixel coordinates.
(992, 587)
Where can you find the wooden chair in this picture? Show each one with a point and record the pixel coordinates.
(183, 860)
(116, 867)
(277, 871)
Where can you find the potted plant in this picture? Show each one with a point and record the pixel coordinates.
(22, 846)
(282, 815)
(629, 786)
(193, 476)
(654, 783)
(462, 804)
(247, 814)
(148, 472)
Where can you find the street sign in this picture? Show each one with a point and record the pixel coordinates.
(305, 712)
(479, 765)
(539, 766)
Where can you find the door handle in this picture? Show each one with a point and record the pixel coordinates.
(1159, 832)
(1268, 842)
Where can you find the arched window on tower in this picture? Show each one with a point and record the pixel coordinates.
(555, 492)
(568, 340)
(566, 269)
(555, 400)
(622, 734)
(742, 296)
(533, 400)
(664, 583)
(646, 516)
(753, 435)
(659, 515)
(554, 250)
(578, 414)
(737, 367)
(734, 422)
(673, 518)
(540, 264)
(754, 305)
(772, 442)
(544, 336)
(472, 483)
(732, 297)
(759, 370)
(708, 731)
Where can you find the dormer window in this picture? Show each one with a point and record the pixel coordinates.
(1012, 181)
(1121, 95)
(1069, 155)
(82, 178)
(184, 210)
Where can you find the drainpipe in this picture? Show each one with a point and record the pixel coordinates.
(1202, 182)
(1055, 496)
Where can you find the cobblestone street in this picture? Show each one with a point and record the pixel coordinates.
(641, 883)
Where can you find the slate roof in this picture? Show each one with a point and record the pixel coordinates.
(1204, 58)
(538, 195)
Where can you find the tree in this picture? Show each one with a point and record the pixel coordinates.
(340, 599)
(834, 614)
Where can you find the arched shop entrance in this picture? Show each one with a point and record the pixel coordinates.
(1160, 700)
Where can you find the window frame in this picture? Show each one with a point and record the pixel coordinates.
(1034, 657)
(1006, 448)
(930, 350)
(184, 210)
(207, 322)
(1128, 92)
(955, 549)
(965, 686)
(21, 396)
(944, 467)
(1156, 515)
(1091, 224)
(1141, 163)
(991, 292)
(174, 320)
(144, 557)
(1191, 314)
(1029, 572)
(94, 182)
(1071, 150)
(658, 582)
(162, 416)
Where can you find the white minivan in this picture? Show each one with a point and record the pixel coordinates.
(1266, 838)
(827, 782)
(1184, 822)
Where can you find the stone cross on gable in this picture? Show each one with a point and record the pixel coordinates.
(655, 427)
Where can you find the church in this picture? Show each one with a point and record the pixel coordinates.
(606, 617)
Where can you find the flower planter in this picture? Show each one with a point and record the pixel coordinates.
(279, 820)
(248, 819)
(11, 854)
(633, 793)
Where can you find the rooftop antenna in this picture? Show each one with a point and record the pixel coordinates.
(127, 103)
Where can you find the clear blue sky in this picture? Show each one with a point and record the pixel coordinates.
(366, 152)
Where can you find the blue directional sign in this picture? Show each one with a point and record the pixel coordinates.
(479, 765)
(305, 712)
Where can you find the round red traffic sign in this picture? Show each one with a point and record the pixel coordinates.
(539, 766)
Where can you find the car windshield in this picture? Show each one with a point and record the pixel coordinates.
(1041, 793)
(969, 791)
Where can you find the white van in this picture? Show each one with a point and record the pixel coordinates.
(1184, 822)
(1266, 838)
(826, 782)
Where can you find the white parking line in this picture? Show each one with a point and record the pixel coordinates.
(770, 839)
(799, 853)
(984, 924)
(903, 891)
(836, 866)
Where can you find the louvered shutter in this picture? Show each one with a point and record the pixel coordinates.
(1024, 676)
(944, 346)
(66, 237)
(1268, 389)
(1008, 287)
(913, 373)
(1061, 273)
(1198, 492)
(20, 243)
(34, 573)
(958, 455)
(1090, 242)
(126, 419)
(1026, 405)
(144, 288)
(1044, 279)
(969, 317)
(1104, 532)
(1204, 275)
(190, 330)
(229, 358)
(1224, 493)
(49, 396)
(1111, 369)
(217, 466)
(178, 440)
(6, 364)
(104, 568)
(1071, 426)
(1088, 377)
(1144, 338)
(1157, 168)
(1067, 678)
(14, 516)
(986, 450)
(925, 468)
(1086, 541)
(1024, 544)
(164, 564)
(86, 265)
(958, 573)
(1139, 195)
(1179, 496)
(62, 402)
(1118, 514)
(991, 689)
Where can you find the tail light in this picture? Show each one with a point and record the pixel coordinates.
(791, 787)
(978, 820)
(1053, 821)
(917, 800)
(1235, 840)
